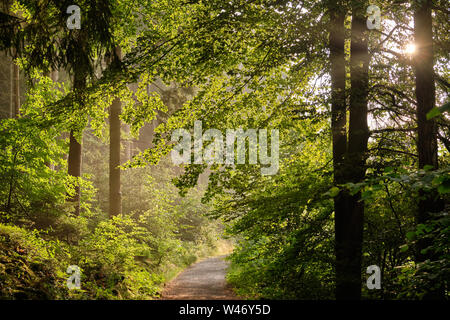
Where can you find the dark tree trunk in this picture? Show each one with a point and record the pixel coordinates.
(115, 195)
(425, 86)
(15, 87)
(74, 160)
(338, 104)
(350, 210)
(427, 149)
(425, 95)
(338, 120)
(74, 166)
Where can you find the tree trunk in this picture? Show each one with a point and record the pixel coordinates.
(338, 120)
(425, 95)
(74, 160)
(427, 149)
(15, 90)
(15, 83)
(74, 164)
(115, 195)
(350, 214)
(338, 105)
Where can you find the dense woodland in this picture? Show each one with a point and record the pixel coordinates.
(87, 116)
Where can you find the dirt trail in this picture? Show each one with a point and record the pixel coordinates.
(204, 280)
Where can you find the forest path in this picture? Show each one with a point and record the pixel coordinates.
(204, 280)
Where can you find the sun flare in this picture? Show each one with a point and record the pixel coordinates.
(410, 48)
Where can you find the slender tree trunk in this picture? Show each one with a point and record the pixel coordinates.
(115, 195)
(349, 225)
(74, 160)
(11, 91)
(15, 83)
(427, 149)
(74, 165)
(15, 90)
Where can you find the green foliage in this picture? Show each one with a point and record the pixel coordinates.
(417, 280)
(392, 234)
(283, 223)
(30, 148)
(132, 256)
(127, 257)
(31, 267)
(438, 111)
